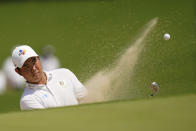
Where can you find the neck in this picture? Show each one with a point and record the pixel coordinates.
(43, 80)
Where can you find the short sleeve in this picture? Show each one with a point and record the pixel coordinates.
(80, 90)
(30, 104)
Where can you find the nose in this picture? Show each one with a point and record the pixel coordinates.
(34, 68)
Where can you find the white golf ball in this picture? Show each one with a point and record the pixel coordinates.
(166, 36)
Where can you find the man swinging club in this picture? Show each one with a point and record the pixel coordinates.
(56, 88)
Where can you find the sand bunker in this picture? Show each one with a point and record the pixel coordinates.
(105, 84)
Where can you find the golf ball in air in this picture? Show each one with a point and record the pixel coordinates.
(166, 36)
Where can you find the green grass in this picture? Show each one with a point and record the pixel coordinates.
(9, 102)
(91, 35)
(167, 113)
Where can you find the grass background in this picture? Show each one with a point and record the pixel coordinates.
(169, 113)
(90, 35)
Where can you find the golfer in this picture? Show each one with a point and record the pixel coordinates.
(55, 88)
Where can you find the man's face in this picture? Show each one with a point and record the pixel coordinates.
(31, 70)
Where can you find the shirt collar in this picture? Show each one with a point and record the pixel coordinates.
(49, 78)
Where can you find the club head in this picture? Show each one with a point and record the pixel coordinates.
(155, 88)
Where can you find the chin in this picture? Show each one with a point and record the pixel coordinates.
(36, 79)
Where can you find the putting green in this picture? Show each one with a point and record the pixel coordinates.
(163, 114)
(89, 36)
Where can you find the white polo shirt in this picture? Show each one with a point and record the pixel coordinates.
(62, 89)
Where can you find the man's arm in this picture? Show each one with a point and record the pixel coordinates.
(30, 104)
(79, 89)
(80, 92)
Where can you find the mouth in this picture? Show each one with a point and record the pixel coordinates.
(35, 74)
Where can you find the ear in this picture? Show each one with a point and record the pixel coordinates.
(17, 70)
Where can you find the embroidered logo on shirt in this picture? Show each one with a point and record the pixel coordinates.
(44, 96)
(62, 84)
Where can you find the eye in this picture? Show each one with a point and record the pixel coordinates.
(33, 60)
(25, 65)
